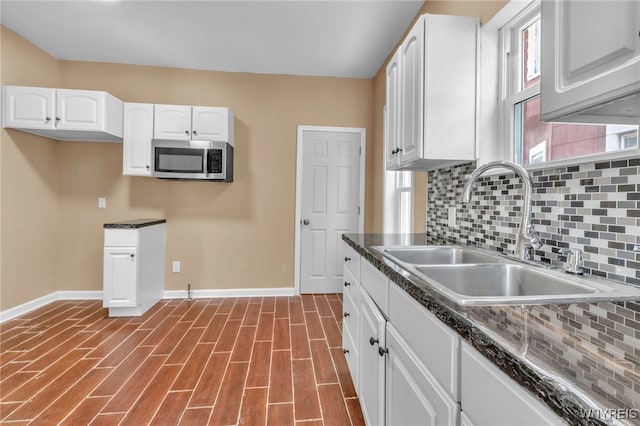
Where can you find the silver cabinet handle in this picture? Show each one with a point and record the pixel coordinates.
(47, 119)
(305, 222)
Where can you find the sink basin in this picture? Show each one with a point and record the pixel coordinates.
(503, 281)
(429, 255)
(468, 276)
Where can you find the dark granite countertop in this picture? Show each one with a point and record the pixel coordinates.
(134, 224)
(567, 403)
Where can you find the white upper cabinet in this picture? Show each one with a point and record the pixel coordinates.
(183, 122)
(411, 95)
(64, 114)
(392, 128)
(172, 122)
(29, 107)
(212, 123)
(136, 141)
(431, 95)
(591, 61)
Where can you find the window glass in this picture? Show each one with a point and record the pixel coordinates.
(538, 142)
(535, 141)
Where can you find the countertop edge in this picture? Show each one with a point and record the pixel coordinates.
(134, 224)
(551, 392)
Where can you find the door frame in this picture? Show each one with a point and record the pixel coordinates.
(298, 215)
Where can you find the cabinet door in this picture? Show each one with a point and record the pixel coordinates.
(210, 123)
(350, 338)
(29, 107)
(79, 109)
(120, 277)
(172, 122)
(138, 132)
(412, 93)
(591, 55)
(371, 364)
(393, 110)
(413, 395)
(490, 397)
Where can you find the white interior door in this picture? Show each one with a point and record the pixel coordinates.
(330, 198)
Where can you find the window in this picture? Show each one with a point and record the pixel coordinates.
(398, 200)
(534, 141)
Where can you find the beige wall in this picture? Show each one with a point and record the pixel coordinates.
(238, 235)
(30, 209)
(483, 9)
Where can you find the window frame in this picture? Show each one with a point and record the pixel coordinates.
(510, 73)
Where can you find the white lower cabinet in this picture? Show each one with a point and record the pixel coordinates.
(350, 323)
(490, 397)
(120, 277)
(133, 270)
(409, 368)
(414, 397)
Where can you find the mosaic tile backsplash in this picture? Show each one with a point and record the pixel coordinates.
(594, 207)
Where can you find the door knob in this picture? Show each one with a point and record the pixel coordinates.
(305, 222)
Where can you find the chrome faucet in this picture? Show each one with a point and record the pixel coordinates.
(527, 239)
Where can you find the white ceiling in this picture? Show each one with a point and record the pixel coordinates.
(301, 37)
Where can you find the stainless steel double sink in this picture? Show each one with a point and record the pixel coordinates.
(470, 276)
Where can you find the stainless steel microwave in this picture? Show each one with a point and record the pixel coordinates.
(192, 160)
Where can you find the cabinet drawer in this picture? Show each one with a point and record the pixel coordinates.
(351, 260)
(120, 238)
(351, 314)
(350, 286)
(376, 284)
(433, 342)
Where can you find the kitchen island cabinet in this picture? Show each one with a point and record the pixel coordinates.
(133, 271)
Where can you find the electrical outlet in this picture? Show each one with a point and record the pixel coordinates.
(176, 266)
(452, 217)
(102, 203)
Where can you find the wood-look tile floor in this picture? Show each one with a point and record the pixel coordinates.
(246, 361)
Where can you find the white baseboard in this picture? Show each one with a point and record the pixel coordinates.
(27, 307)
(167, 294)
(79, 295)
(229, 292)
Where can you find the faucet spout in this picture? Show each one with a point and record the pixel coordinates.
(527, 237)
